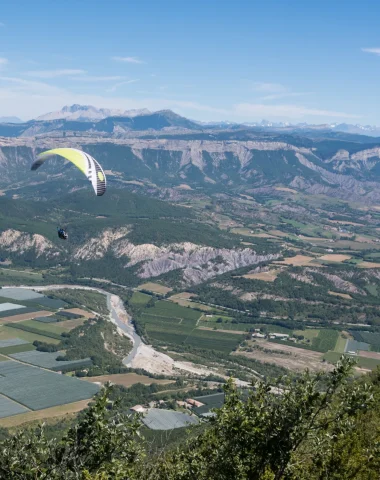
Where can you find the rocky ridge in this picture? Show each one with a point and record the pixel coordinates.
(198, 263)
(15, 241)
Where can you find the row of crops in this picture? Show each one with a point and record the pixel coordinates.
(168, 323)
(37, 389)
(373, 339)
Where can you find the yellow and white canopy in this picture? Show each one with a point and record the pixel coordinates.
(86, 164)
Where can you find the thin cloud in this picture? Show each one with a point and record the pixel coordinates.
(269, 87)
(94, 78)
(64, 72)
(120, 84)
(375, 51)
(285, 111)
(127, 59)
(2, 24)
(197, 106)
(31, 87)
(3, 61)
(276, 91)
(277, 96)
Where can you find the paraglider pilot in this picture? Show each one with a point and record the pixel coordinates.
(62, 234)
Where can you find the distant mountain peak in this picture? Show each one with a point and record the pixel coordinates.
(89, 113)
(10, 120)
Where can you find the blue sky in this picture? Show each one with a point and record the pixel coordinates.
(241, 60)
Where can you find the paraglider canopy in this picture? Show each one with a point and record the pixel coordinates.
(83, 161)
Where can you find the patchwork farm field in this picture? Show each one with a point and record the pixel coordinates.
(265, 276)
(168, 309)
(37, 389)
(49, 360)
(8, 407)
(26, 347)
(298, 260)
(76, 298)
(155, 288)
(139, 299)
(171, 324)
(45, 327)
(7, 332)
(36, 415)
(9, 276)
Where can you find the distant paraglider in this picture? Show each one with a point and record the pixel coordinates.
(62, 234)
(83, 161)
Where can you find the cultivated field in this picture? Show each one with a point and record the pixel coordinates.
(296, 359)
(297, 261)
(25, 316)
(184, 302)
(236, 332)
(335, 257)
(265, 276)
(139, 299)
(79, 311)
(38, 389)
(155, 288)
(9, 332)
(31, 416)
(365, 354)
(48, 360)
(182, 295)
(368, 265)
(168, 323)
(68, 325)
(54, 327)
(8, 407)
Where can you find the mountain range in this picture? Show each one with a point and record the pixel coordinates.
(165, 156)
(170, 156)
(120, 121)
(10, 120)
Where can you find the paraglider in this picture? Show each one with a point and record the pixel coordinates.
(83, 161)
(62, 234)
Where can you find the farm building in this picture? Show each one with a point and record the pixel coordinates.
(183, 404)
(139, 409)
(194, 403)
(258, 335)
(279, 335)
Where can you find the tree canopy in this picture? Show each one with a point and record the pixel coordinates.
(324, 426)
